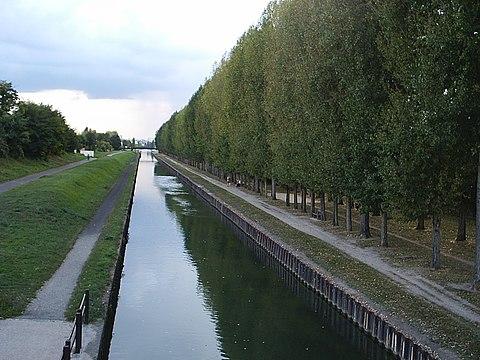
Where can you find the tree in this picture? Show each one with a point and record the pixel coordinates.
(115, 140)
(90, 139)
(8, 97)
(46, 129)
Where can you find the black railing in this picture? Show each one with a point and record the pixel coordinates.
(74, 341)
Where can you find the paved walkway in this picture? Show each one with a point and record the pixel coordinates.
(12, 184)
(41, 332)
(43, 339)
(408, 279)
(52, 299)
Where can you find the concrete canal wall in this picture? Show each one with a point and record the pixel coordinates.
(360, 313)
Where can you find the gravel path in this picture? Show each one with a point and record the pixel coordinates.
(409, 280)
(52, 299)
(12, 184)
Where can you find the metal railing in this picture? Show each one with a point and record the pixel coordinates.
(74, 341)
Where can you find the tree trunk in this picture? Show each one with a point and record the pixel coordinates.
(304, 200)
(312, 203)
(335, 211)
(436, 237)
(321, 212)
(349, 214)
(274, 190)
(420, 223)
(365, 225)
(476, 279)
(295, 197)
(462, 223)
(287, 196)
(384, 229)
(265, 185)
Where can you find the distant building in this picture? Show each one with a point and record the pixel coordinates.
(87, 153)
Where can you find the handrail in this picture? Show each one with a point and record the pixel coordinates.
(74, 341)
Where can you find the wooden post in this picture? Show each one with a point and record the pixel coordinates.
(87, 305)
(78, 331)
(66, 350)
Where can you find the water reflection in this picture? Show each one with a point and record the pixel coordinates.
(197, 288)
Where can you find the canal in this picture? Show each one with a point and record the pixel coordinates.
(195, 288)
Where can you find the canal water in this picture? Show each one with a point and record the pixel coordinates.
(196, 288)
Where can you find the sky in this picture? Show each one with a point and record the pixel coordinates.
(117, 64)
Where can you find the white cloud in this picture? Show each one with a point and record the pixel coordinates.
(107, 50)
(139, 116)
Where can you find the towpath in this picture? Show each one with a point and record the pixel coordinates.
(12, 184)
(41, 331)
(408, 279)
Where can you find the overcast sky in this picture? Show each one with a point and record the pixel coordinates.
(117, 64)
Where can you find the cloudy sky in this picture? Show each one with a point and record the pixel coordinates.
(122, 65)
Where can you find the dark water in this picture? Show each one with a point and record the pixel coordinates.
(195, 288)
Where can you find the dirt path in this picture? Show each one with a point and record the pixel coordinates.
(411, 281)
(12, 184)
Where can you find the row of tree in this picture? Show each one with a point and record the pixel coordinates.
(375, 101)
(37, 131)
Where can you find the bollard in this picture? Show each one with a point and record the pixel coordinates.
(78, 331)
(87, 305)
(66, 350)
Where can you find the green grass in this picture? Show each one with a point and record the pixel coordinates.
(39, 223)
(437, 324)
(98, 270)
(16, 168)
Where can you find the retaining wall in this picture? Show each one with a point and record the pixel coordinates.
(360, 313)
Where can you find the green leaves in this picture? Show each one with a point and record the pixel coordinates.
(372, 99)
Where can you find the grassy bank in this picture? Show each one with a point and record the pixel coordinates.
(39, 223)
(409, 248)
(437, 324)
(97, 272)
(16, 168)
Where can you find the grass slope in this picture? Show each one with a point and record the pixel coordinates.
(16, 168)
(439, 325)
(97, 272)
(39, 223)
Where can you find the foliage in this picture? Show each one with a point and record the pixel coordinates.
(372, 99)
